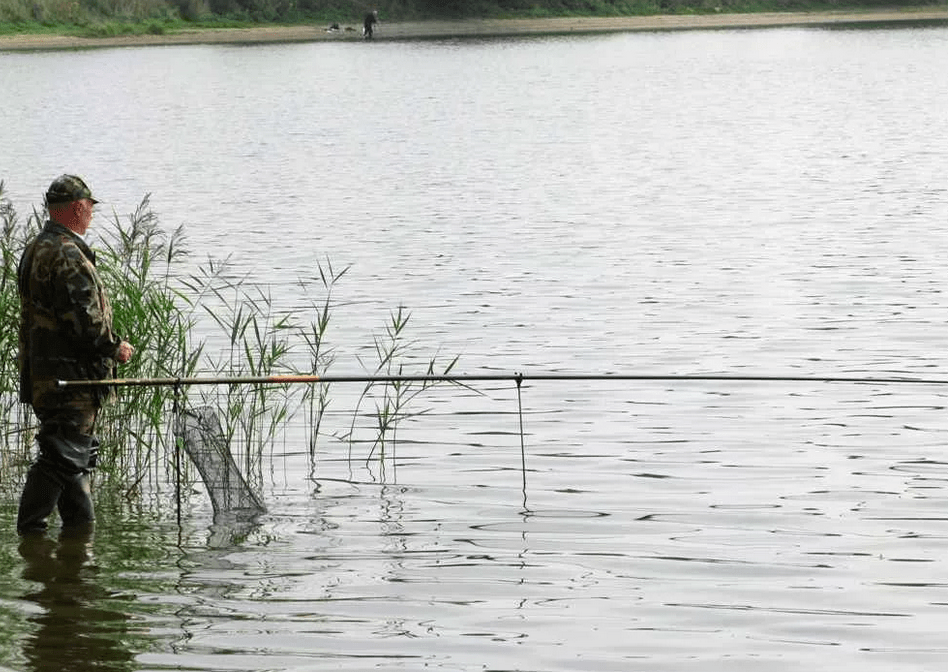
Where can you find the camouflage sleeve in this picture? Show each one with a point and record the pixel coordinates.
(86, 312)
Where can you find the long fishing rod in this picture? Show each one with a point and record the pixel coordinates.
(518, 378)
(486, 377)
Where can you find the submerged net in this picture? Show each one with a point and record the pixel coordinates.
(199, 432)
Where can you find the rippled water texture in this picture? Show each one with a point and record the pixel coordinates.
(739, 202)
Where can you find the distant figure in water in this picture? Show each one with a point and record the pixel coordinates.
(368, 24)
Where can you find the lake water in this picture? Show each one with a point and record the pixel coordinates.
(754, 202)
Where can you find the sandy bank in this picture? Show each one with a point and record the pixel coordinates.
(481, 28)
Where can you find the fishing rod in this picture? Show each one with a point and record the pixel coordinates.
(463, 379)
(487, 377)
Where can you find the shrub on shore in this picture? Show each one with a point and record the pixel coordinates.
(114, 17)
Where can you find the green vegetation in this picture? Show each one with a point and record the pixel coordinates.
(208, 322)
(393, 399)
(102, 18)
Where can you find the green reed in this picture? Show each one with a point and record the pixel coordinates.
(136, 263)
(320, 354)
(253, 340)
(394, 401)
(17, 434)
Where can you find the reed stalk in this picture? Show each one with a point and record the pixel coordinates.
(137, 261)
(18, 431)
(394, 400)
(320, 355)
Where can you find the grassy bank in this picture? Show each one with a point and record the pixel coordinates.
(107, 18)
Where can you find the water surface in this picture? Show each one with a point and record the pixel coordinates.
(756, 201)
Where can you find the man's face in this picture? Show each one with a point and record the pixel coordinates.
(85, 213)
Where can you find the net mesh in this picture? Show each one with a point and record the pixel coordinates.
(199, 432)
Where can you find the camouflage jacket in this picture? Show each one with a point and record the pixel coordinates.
(65, 318)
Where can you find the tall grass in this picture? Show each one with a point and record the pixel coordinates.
(202, 322)
(137, 262)
(320, 354)
(393, 401)
(255, 342)
(17, 433)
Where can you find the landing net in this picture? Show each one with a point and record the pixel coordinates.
(199, 432)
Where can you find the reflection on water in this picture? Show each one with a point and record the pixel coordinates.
(751, 201)
(672, 546)
(74, 626)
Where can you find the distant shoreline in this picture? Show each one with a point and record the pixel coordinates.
(419, 30)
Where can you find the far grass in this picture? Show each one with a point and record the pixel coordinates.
(121, 28)
(159, 20)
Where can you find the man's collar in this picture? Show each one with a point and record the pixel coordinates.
(60, 228)
(56, 227)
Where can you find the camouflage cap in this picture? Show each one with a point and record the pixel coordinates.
(66, 188)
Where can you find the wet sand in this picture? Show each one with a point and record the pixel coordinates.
(483, 28)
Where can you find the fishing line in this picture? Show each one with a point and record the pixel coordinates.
(176, 411)
(523, 452)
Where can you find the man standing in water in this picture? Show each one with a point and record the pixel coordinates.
(368, 24)
(65, 334)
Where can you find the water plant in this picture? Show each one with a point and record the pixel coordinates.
(393, 398)
(257, 342)
(320, 355)
(137, 259)
(16, 435)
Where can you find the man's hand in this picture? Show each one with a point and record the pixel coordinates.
(125, 352)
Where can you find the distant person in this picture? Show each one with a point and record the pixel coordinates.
(65, 334)
(368, 24)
